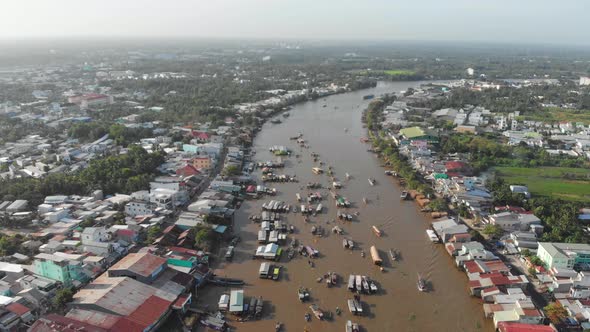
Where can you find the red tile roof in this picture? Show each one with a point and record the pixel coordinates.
(519, 327)
(454, 165)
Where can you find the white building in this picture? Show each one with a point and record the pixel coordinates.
(584, 80)
(95, 240)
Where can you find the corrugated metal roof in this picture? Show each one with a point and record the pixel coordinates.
(95, 318)
(143, 264)
(150, 311)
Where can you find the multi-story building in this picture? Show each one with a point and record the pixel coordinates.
(58, 268)
(563, 255)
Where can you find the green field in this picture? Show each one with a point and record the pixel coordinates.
(560, 182)
(557, 114)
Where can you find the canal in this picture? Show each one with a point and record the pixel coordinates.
(334, 131)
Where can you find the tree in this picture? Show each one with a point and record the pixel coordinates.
(439, 205)
(153, 233)
(204, 237)
(62, 297)
(555, 312)
(231, 170)
(493, 230)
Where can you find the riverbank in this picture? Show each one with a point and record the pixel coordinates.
(399, 305)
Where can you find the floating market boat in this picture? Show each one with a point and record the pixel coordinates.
(303, 294)
(317, 312)
(421, 284)
(377, 231)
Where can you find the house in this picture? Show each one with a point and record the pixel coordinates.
(510, 221)
(96, 240)
(139, 208)
(202, 162)
(480, 282)
(563, 255)
(65, 270)
(519, 315)
(188, 170)
(143, 267)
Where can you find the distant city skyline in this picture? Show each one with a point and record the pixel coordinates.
(525, 21)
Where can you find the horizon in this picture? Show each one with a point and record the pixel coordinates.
(503, 21)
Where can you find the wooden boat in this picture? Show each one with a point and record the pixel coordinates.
(372, 181)
(317, 170)
(345, 244)
(365, 284)
(352, 327)
(337, 230)
(358, 283)
(404, 195)
(375, 256)
(421, 284)
(259, 306)
(317, 312)
(373, 287)
(351, 282)
(334, 278)
(377, 231)
(303, 294)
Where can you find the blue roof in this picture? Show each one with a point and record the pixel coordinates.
(220, 229)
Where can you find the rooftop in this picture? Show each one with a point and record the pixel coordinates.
(143, 264)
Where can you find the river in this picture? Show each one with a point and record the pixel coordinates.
(399, 306)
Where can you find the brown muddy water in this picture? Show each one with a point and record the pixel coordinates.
(398, 306)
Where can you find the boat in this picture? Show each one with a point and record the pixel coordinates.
(348, 244)
(317, 312)
(358, 283)
(390, 173)
(278, 326)
(286, 114)
(307, 317)
(373, 287)
(365, 283)
(377, 231)
(351, 282)
(368, 97)
(404, 195)
(334, 278)
(393, 254)
(375, 256)
(347, 176)
(337, 230)
(303, 294)
(259, 306)
(337, 185)
(317, 170)
(319, 208)
(276, 121)
(352, 327)
(365, 200)
(432, 235)
(372, 181)
(421, 284)
(298, 196)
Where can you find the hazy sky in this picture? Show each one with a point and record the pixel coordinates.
(532, 21)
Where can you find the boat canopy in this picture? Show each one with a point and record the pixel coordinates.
(236, 302)
(375, 256)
